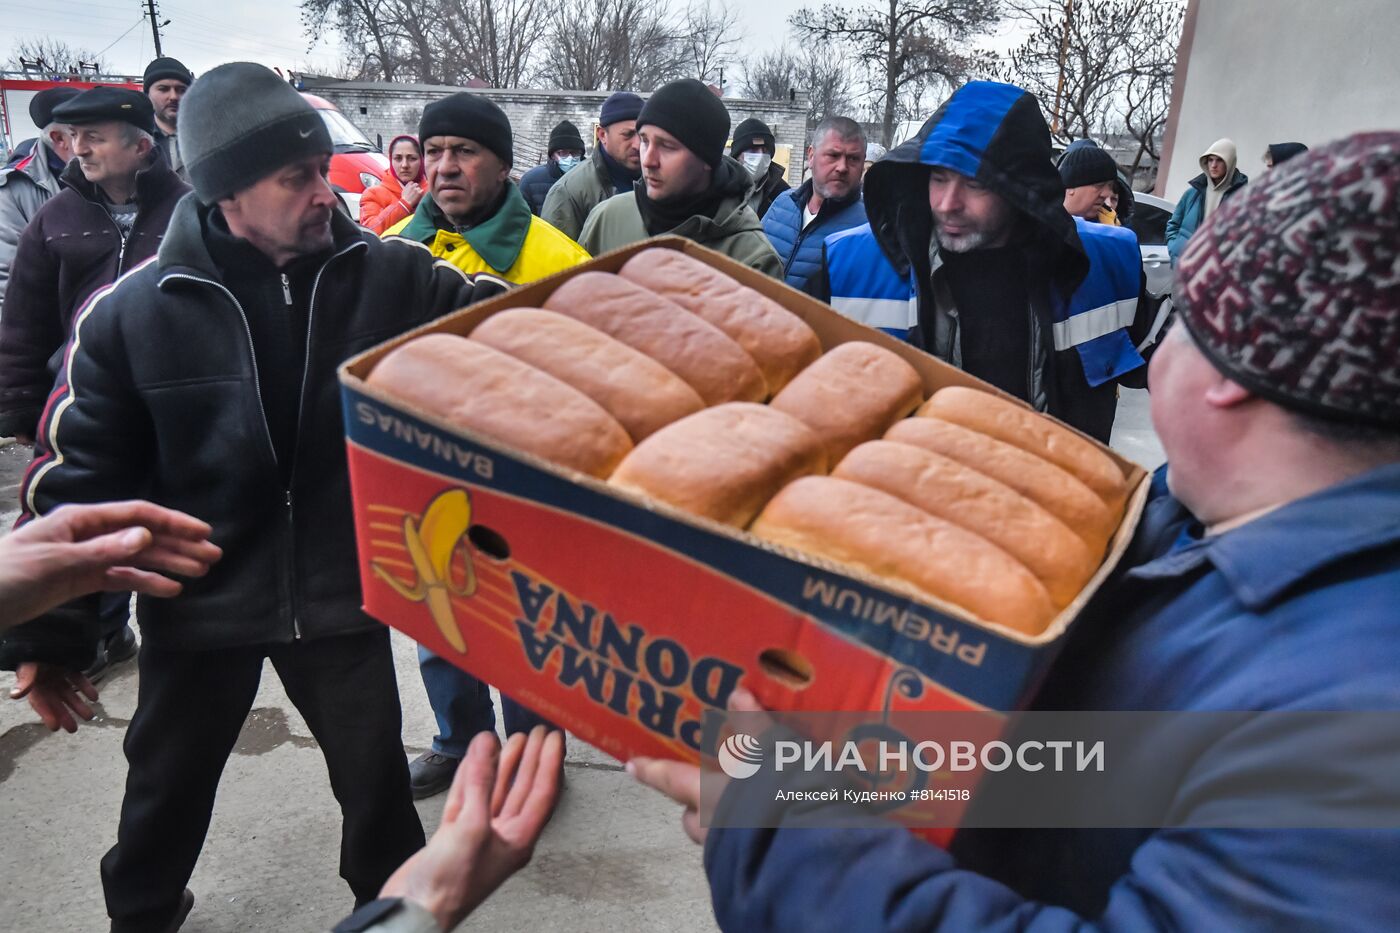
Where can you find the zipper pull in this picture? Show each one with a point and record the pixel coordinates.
(286, 289)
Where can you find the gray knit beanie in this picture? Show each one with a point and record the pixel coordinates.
(240, 123)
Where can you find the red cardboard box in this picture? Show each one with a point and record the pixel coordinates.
(622, 619)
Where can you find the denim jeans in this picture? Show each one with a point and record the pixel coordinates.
(462, 706)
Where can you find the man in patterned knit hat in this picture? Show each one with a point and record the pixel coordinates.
(1262, 578)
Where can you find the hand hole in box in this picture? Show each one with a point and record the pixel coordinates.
(787, 667)
(489, 542)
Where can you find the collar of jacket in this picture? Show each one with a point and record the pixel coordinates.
(36, 167)
(152, 182)
(1266, 557)
(729, 194)
(498, 240)
(183, 250)
(605, 166)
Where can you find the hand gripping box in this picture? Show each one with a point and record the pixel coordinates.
(623, 620)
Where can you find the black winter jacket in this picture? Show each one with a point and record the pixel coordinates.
(158, 398)
(535, 184)
(70, 249)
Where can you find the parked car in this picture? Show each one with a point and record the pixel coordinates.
(1149, 222)
(357, 163)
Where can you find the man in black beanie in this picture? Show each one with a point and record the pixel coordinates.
(614, 166)
(1090, 177)
(689, 187)
(754, 146)
(166, 80)
(205, 380)
(565, 151)
(474, 216)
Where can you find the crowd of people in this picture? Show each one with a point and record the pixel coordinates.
(180, 284)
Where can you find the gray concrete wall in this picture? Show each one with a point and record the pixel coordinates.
(387, 109)
(1268, 71)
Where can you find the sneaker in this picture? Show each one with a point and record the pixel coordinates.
(111, 651)
(431, 773)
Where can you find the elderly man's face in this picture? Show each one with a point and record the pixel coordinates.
(288, 213)
(108, 153)
(966, 214)
(1087, 200)
(463, 175)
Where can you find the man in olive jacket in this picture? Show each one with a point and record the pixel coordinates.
(204, 380)
(689, 187)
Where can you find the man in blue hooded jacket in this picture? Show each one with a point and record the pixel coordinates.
(1262, 578)
(970, 255)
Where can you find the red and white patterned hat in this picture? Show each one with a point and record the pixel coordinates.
(1292, 287)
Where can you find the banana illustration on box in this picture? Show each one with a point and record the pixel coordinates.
(432, 543)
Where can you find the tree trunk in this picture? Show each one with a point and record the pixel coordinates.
(891, 79)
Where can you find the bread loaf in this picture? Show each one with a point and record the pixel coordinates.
(723, 463)
(972, 500)
(639, 392)
(1045, 484)
(779, 341)
(1034, 433)
(716, 367)
(473, 386)
(852, 395)
(889, 538)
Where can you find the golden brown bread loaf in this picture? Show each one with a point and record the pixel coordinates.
(1045, 484)
(473, 386)
(635, 389)
(1032, 432)
(970, 499)
(886, 536)
(852, 395)
(712, 364)
(723, 463)
(779, 341)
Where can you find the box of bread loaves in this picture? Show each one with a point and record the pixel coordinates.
(620, 491)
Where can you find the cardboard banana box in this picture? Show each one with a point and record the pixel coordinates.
(624, 620)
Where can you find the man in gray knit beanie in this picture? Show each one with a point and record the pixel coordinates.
(208, 378)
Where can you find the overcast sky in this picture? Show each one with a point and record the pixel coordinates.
(203, 34)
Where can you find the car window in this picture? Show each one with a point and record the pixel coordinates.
(343, 132)
(1150, 224)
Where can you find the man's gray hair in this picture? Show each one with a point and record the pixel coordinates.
(132, 135)
(845, 129)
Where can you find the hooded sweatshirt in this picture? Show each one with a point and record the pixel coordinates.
(1215, 190)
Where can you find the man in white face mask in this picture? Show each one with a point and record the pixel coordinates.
(565, 152)
(754, 146)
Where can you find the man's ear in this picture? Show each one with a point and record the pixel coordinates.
(1225, 393)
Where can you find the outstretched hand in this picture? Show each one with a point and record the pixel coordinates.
(498, 805)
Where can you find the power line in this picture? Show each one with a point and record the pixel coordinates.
(122, 36)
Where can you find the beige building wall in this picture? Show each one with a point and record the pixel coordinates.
(1268, 71)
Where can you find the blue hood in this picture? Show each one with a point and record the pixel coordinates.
(989, 131)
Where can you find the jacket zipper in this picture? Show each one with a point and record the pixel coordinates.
(301, 402)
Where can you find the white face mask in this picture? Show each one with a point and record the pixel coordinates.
(567, 162)
(757, 163)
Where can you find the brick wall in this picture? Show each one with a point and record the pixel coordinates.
(386, 109)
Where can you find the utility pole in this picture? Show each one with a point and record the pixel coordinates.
(155, 24)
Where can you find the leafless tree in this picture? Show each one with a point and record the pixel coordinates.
(905, 45)
(599, 45)
(709, 35)
(826, 77)
(56, 56)
(492, 40)
(1101, 64)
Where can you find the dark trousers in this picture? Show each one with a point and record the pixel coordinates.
(190, 708)
(462, 706)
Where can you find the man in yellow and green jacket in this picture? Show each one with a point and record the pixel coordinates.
(474, 216)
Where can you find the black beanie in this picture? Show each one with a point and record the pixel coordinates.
(691, 112)
(1087, 165)
(565, 136)
(751, 132)
(239, 123)
(470, 116)
(165, 68)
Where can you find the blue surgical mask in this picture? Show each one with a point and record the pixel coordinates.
(567, 162)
